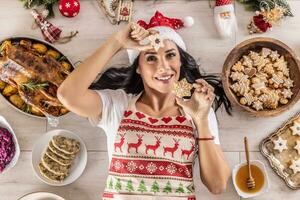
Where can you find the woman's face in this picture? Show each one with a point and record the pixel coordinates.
(160, 70)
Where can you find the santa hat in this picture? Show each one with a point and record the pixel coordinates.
(166, 28)
(223, 2)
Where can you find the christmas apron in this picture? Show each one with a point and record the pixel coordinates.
(152, 158)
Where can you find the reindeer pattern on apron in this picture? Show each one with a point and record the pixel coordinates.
(152, 158)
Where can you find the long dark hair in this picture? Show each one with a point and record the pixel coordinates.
(126, 78)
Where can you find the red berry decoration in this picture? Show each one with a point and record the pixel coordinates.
(69, 8)
(261, 24)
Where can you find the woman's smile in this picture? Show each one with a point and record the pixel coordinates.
(164, 78)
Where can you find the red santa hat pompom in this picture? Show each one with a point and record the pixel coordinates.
(166, 27)
(225, 19)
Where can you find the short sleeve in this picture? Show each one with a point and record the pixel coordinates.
(114, 103)
(213, 125)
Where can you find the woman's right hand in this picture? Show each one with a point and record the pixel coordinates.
(130, 36)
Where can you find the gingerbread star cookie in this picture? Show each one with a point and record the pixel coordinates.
(258, 105)
(297, 147)
(280, 144)
(182, 88)
(156, 41)
(295, 166)
(295, 128)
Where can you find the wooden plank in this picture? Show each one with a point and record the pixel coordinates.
(94, 137)
(27, 128)
(229, 194)
(21, 180)
(285, 32)
(234, 128)
(203, 43)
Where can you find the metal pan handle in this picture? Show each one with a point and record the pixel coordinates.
(52, 120)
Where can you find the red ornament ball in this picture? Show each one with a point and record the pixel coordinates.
(69, 8)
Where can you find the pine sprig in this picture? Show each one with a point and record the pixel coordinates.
(257, 5)
(26, 108)
(48, 4)
(34, 85)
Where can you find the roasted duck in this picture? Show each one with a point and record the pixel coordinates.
(36, 76)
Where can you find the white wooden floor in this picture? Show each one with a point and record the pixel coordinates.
(202, 42)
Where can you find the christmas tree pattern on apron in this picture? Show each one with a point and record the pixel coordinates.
(152, 158)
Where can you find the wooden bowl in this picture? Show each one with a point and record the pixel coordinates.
(256, 44)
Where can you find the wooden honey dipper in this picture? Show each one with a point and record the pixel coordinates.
(250, 180)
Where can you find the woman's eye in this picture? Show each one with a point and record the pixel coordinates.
(151, 58)
(171, 55)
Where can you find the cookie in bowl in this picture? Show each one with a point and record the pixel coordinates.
(261, 80)
(262, 76)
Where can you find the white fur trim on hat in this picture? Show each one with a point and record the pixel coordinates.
(166, 33)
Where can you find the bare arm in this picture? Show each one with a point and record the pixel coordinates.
(74, 92)
(213, 166)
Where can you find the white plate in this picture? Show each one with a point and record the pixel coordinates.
(41, 196)
(78, 164)
(5, 124)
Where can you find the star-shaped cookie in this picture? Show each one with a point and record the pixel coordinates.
(182, 88)
(258, 105)
(295, 166)
(297, 147)
(156, 41)
(295, 128)
(280, 144)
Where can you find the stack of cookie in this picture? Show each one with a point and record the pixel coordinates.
(58, 158)
(261, 80)
(290, 142)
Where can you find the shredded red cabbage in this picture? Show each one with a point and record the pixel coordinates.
(7, 148)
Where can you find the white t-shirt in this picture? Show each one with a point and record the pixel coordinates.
(115, 102)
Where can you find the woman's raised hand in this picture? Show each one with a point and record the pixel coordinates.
(130, 37)
(198, 106)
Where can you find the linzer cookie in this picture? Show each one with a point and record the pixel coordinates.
(282, 149)
(182, 88)
(66, 145)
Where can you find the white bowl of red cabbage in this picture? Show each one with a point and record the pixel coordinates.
(9, 147)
